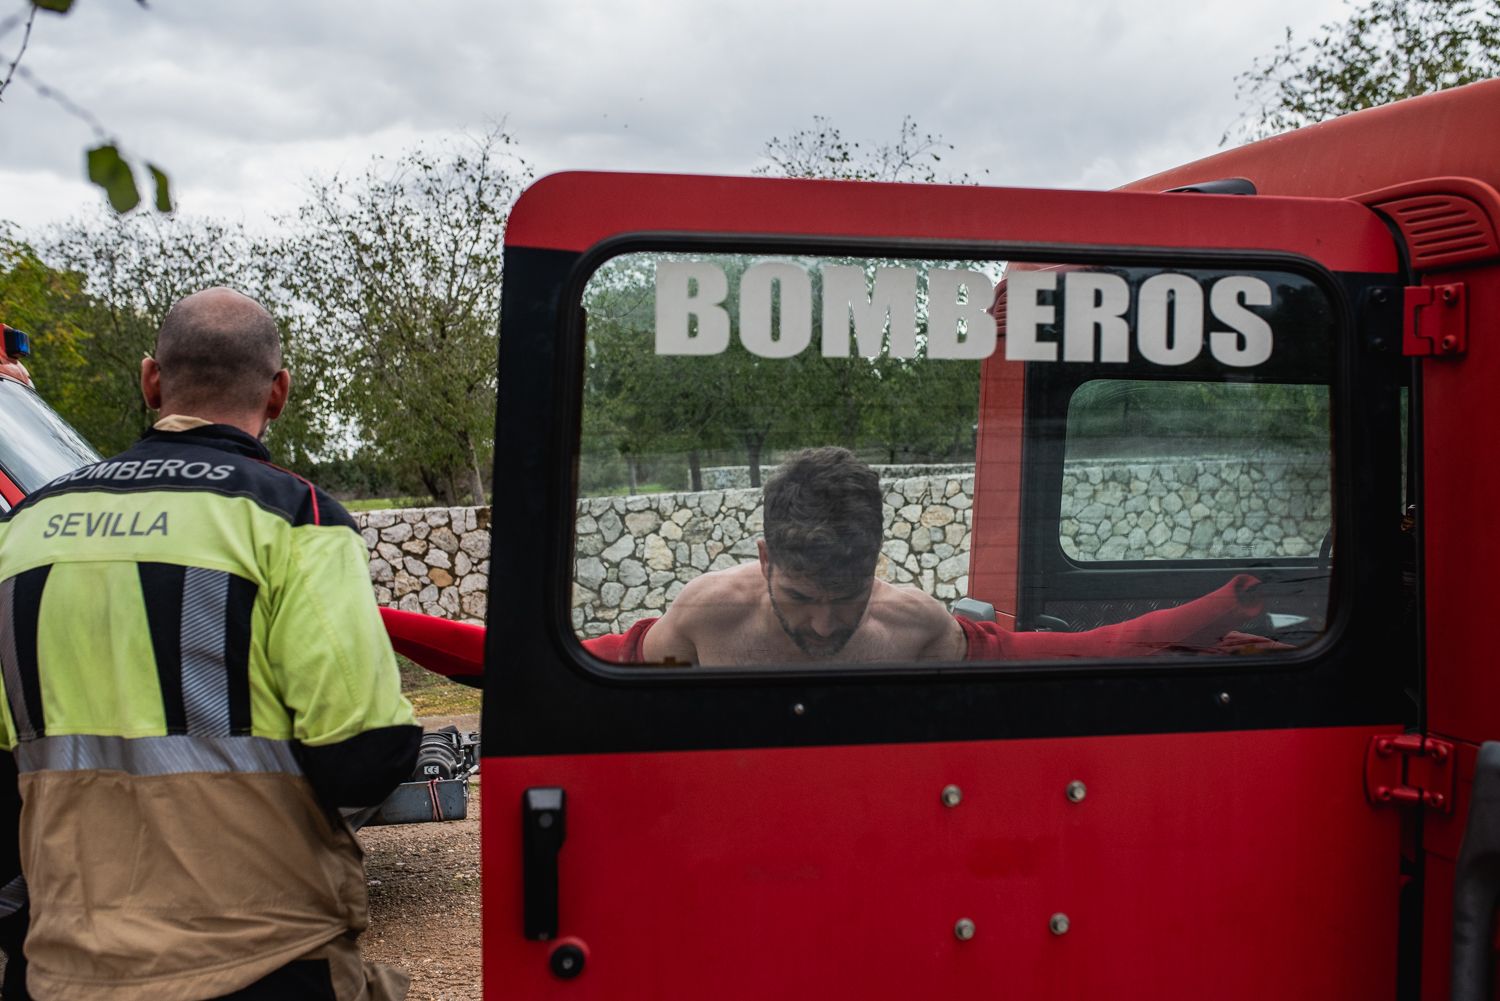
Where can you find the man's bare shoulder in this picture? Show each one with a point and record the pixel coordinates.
(913, 613)
(908, 607)
(702, 611)
(722, 592)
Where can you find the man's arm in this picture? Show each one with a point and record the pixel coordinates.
(1203, 625)
(670, 639)
(355, 731)
(15, 913)
(946, 640)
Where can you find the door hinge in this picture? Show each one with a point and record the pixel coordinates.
(1409, 770)
(1435, 321)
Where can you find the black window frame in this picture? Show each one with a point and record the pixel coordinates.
(633, 708)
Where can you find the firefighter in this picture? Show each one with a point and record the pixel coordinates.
(196, 679)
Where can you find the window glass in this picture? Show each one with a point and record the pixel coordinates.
(36, 445)
(1195, 470)
(785, 461)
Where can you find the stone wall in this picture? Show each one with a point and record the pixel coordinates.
(738, 477)
(432, 560)
(1195, 508)
(634, 554)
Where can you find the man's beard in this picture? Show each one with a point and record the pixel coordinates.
(808, 641)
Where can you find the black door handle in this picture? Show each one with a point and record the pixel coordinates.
(544, 815)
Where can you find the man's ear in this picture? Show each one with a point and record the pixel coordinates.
(281, 388)
(151, 382)
(765, 557)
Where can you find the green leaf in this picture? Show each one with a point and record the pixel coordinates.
(58, 6)
(163, 192)
(110, 171)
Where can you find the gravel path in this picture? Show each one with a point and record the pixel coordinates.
(424, 897)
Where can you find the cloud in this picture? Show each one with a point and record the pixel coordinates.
(241, 101)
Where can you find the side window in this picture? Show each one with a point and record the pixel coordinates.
(785, 461)
(1195, 471)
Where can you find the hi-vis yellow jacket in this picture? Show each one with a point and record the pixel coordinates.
(195, 676)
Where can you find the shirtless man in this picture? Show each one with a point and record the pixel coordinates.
(813, 596)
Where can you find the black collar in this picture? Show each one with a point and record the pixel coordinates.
(224, 437)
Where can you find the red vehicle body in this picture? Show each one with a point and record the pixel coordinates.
(1290, 828)
(36, 445)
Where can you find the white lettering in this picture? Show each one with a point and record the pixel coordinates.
(866, 313)
(677, 304)
(793, 331)
(846, 294)
(959, 327)
(1248, 341)
(1169, 321)
(1024, 314)
(1095, 301)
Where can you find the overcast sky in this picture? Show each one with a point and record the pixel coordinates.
(241, 102)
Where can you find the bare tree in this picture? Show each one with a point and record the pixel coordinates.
(822, 151)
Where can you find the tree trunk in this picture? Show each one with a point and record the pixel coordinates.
(630, 470)
(476, 482)
(433, 481)
(752, 447)
(851, 418)
(695, 470)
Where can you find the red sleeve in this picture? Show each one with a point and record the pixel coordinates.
(621, 648)
(1197, 625)
(453, 649)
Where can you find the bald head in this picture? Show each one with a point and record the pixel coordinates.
(217, 350)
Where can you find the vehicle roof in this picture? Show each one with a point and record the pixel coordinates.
(1448, 134)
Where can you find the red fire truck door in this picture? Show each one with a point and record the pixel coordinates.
(824, 772)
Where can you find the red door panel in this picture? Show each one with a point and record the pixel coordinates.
(743, 874)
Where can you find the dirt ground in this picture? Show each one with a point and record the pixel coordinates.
(424, 897)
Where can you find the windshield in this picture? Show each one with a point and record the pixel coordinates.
(36, 445)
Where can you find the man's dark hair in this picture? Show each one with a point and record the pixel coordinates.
(218, 347)
(823, 518)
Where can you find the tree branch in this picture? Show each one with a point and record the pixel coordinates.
(52, 94)
(25, 40)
